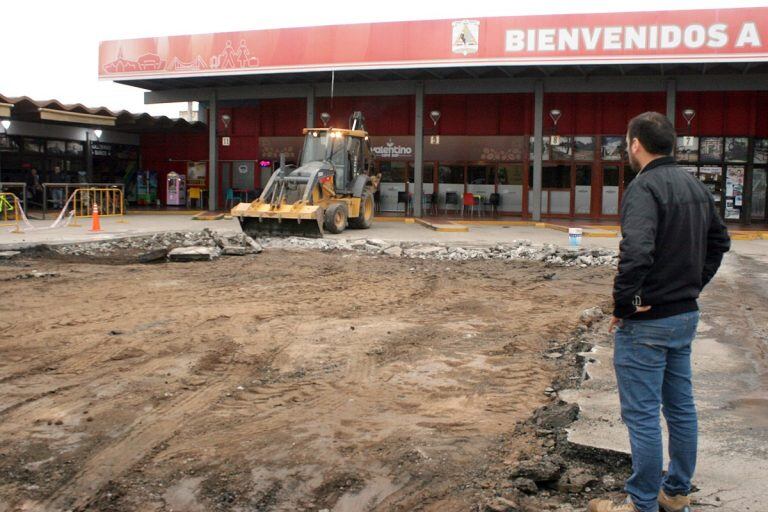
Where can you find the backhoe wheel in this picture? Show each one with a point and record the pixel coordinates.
(365, 219)
(336, 218)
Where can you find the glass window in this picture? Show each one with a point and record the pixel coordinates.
(32, 145)
(583, 175)
(612, 147)
(480, 175)
(55, 147)
(584, 148)
(75, 148)
(761, 151)
(392, 172)
(629, 175)
(611, 176)
(687, 149)
(736, 149)
(428, 173)
(8, 143)
(710, 150)
(553, 176)
(759, 175)
(451, 174)
(511, 174)
(562, 150)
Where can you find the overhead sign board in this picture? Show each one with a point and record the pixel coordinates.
(739, 34)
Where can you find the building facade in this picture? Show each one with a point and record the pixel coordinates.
(531, 110)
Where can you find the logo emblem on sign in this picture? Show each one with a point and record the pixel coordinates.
(466, 36)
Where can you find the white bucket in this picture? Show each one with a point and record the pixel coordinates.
(574, 236)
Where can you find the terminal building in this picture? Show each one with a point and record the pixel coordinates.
(527, 113)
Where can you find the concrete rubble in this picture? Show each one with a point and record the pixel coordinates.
(204, 244)
(148, 248)
(517, 250)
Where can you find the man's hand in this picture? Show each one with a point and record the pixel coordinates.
(615, 321)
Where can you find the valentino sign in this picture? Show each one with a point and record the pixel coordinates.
(707, 35)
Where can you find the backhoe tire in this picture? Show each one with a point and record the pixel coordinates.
(336, 218)
(365, 219)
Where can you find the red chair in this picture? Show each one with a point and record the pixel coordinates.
(469, 201)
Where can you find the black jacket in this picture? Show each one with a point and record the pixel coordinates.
(673, 242)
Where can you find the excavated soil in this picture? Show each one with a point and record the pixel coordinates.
(280, 381)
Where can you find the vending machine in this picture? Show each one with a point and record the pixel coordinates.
(176, 188)
(146, 188)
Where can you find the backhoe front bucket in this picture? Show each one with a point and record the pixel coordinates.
(260, 219)
(256, 227)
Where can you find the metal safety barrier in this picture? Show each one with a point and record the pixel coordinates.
(59, 192)
(11, 213)
(4, 186)
(108, 200)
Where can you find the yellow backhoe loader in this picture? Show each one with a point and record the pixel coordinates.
(332, 188)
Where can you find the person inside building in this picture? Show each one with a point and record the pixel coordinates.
(34, 187)
(57, 193)
(673, 243)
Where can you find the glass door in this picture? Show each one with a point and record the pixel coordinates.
(610, 197)
(511, 188)
(555, 189)
(427, 183)
(759, 176)
(451, 186)
(392, 186)
(582, 193)
(481, 182)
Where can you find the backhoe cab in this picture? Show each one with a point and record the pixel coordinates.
(332, 187)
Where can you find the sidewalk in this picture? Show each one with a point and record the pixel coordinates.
(731, 386)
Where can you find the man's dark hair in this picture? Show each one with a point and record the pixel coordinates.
(654, 131)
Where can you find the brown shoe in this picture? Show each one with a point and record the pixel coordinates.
(602, 505)
(674, 503)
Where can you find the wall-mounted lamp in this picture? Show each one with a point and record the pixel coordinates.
(555, 114)
(6, 123)
(688, 115)
(434, 116)
(225, 120)
(97, 133)
(325, 117)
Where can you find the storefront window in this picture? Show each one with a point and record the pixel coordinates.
(511, 174)
(759, 175)
(612, 147)
(392, 172)
(584, 148)
(480, 175)
(451, 174)
(557, 176)
(583, 190)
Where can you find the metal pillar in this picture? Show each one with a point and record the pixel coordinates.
(538, 134)
(671, 100)
(213, 159)
(311, 107)
(418, 151)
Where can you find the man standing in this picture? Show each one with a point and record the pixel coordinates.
(673, 243)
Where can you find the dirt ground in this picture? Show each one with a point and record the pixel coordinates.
(281, 381)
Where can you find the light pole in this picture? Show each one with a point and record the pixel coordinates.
(6, 123)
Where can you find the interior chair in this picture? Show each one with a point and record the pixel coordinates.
(468, 202)
(494, 200)
(451, 198)
(402, 197)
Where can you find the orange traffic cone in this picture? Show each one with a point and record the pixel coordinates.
(95, 224)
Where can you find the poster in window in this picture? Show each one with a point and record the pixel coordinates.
(710, 150)
(611, 147)
(544, 148)
(75, 148)
(562, 150)
(736, 149)
(55, 147)
(687, 149)
(690, 169)
(759, 186)
(711, 176)
(734, 188)
(584, 148)
(761, 151)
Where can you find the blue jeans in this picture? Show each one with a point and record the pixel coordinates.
(652, 359)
